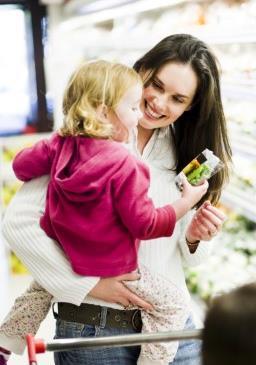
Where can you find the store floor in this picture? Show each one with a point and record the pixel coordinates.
(18, 284)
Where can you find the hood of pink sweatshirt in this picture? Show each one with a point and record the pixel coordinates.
(85, 165)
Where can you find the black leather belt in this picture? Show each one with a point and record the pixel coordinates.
(92, 315)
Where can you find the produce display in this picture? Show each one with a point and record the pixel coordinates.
(9, 185)
(232, 263)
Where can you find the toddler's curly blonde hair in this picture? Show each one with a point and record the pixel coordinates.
(94, 84)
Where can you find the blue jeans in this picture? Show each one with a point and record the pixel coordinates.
(188, 352)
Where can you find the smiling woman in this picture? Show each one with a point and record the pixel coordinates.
(182, 90)
(168, 95)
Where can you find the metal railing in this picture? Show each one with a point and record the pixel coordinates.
(39, 346)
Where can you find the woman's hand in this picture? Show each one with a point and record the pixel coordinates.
(113, 290)
(206, 223)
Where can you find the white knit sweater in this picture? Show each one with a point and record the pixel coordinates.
(45, 259)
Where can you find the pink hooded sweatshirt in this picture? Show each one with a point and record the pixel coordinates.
(97, 204)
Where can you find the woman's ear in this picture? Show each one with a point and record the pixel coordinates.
(102, 113)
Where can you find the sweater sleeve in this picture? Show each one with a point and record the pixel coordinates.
(203, 250)
(42, 256)
(134, 206)
(35, 161)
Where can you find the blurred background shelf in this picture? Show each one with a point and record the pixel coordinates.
(239, 92)
(241, 201)
(244, 145)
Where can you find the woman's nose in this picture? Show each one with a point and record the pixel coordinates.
(160, 103)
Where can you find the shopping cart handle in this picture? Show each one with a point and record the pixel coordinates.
(34, 346)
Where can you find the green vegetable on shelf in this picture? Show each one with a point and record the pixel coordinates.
(197, 175)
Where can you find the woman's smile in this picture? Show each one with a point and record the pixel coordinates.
(151, 112)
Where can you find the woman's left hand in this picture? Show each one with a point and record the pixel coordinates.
(206, 223)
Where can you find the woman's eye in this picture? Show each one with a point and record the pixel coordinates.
(157, 85)
(177, 100)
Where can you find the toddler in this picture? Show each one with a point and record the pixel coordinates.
(97, 205)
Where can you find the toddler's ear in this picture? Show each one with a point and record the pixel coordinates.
(102, 113)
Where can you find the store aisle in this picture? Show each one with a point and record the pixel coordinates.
(18, 283)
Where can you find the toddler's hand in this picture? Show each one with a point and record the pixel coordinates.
(193, 194)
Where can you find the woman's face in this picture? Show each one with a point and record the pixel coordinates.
(169, 94)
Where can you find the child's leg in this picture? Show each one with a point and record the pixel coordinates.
(170, 313)
(26, 315)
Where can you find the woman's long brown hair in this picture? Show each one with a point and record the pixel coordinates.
(204, 125)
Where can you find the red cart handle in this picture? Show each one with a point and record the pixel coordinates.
(35, 346)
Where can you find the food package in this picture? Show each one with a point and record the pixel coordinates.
(202, 167)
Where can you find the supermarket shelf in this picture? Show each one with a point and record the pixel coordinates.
(241, 201)
(245, 37)
(140, 44)
(81, 13)
(7, 173)
(112, 10)
(239, 92)
(244, 145)
(240, 80)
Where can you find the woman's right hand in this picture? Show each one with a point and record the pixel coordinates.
(113, 290)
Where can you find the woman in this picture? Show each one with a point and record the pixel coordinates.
(182, 115)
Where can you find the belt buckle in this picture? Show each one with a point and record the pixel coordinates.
(136, 320)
